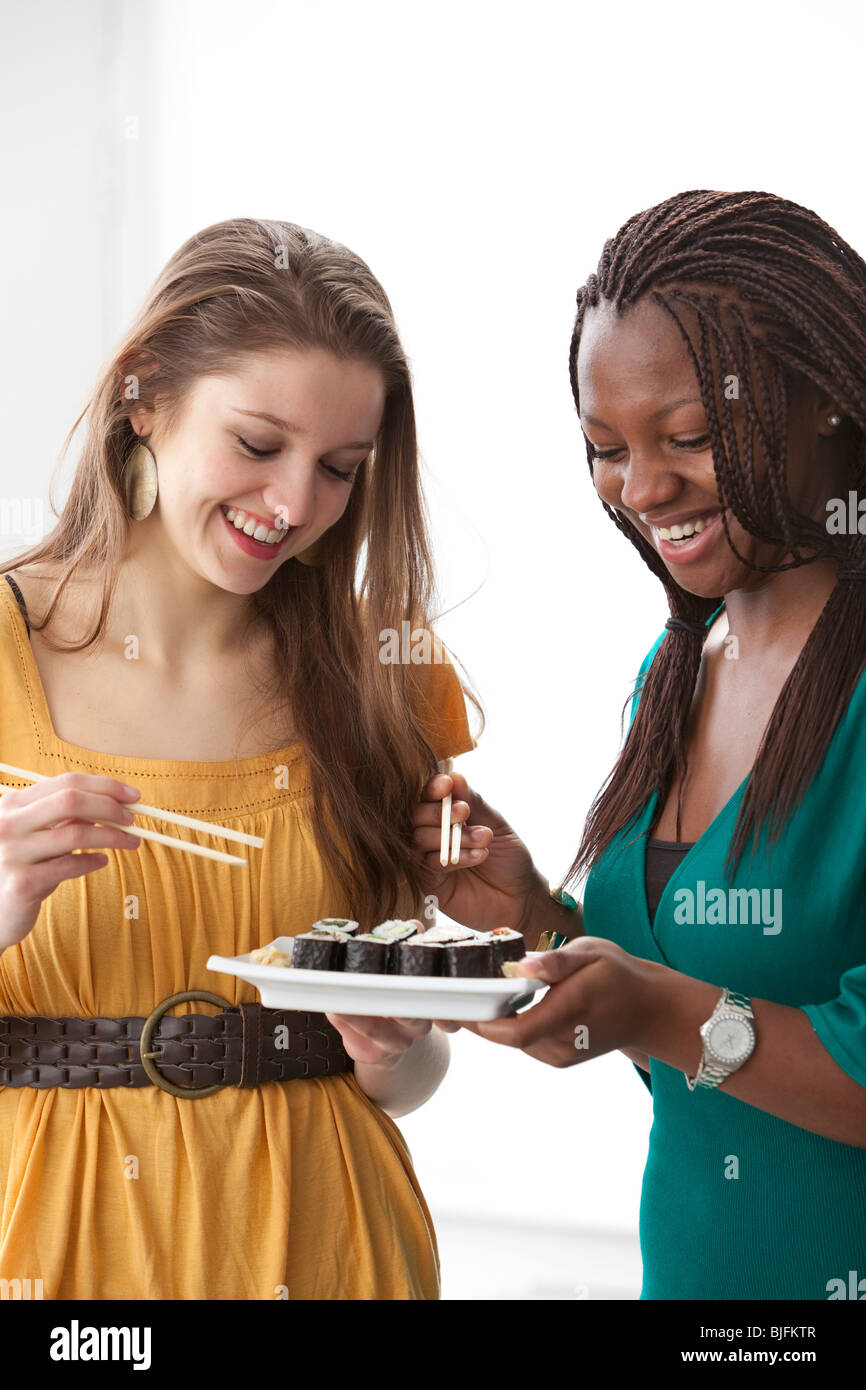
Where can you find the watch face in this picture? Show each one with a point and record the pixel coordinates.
(729, 1039)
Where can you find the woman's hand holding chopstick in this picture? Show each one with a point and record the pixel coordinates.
(495, 883)
(41, 827)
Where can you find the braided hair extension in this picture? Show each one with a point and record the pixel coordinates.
(789, 303)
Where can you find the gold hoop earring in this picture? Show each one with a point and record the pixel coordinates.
(140, 482)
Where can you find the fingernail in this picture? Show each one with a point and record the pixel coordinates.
(477, 834)
(131, 793)
(476, 853)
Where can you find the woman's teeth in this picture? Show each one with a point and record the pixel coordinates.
(250, 527)
(682, 533)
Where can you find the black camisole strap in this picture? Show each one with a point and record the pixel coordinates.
(20, 597)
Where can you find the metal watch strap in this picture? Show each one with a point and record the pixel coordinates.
(739, 1001)
(709, 1076)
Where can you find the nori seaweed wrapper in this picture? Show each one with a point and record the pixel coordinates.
(316, 951)
(472, 958)
(508, 947)
(421, 959)
(339, 956)
(369, 955)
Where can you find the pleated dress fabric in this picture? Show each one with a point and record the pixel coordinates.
(294, 1190)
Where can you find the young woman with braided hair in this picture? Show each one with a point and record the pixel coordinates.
(718, 366)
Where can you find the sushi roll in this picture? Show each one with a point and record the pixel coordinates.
(445, 935)
(477, 958)
(343, 925)
(395, 930)
(368, 954)
(417, 957)
(340, 944)
(509, 944)
(319, 950)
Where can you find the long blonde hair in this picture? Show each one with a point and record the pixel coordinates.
(235, 288)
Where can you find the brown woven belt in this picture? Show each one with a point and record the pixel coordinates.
(198, 1053)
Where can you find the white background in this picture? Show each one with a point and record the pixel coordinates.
(477, 156)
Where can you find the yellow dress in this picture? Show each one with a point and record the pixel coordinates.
(301, 1189)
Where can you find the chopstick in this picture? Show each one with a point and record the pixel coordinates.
(456, 830)
(208, 827)
(159, 839)
(139, 807)
(445, 766)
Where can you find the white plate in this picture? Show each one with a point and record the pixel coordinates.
(381, 996)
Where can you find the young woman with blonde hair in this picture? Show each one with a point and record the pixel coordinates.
(204, 624)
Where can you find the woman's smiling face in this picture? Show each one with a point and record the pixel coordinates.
(276, 442)
(641, 410)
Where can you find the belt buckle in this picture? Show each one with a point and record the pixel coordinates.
(147, 1054)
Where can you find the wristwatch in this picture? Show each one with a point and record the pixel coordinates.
(728, 1038)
